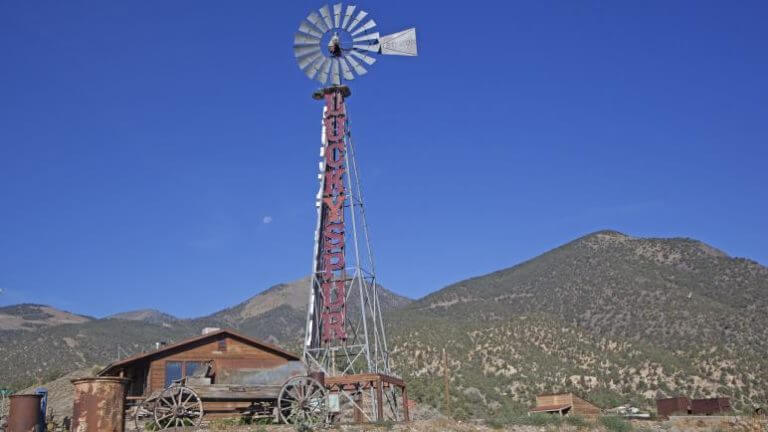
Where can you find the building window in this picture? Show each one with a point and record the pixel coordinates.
(172, 372)
(191, 367)
(222, 345)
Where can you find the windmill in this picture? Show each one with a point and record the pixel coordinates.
(344, 335)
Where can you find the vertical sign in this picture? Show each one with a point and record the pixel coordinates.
(332, 276)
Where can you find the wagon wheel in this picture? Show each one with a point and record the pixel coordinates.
(144, 412)
(302, 401)
(178, 406)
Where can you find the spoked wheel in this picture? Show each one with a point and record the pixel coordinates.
(302, 401)
(143, 413)
(178, 406)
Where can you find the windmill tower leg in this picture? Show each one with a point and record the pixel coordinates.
(345, 329)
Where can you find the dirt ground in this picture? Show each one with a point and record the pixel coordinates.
(681, 424)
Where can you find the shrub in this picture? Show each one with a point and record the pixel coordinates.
(615, 424)
(577, 421)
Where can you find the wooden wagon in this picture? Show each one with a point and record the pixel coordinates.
(284, 394)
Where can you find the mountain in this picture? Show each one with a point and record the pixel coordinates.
(152, 316)
(613, 317)
(35, 316)
(276, 315)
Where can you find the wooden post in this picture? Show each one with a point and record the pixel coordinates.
(406, 413)
(447, 383)
(359, 402)
(379, 400)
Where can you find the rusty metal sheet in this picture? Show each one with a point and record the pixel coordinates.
(24, 414)
(99, 404)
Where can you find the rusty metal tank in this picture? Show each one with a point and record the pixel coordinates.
(24, 413)
(99, 404)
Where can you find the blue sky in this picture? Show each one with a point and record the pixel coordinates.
(145, 145)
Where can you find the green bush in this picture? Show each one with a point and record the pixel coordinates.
(615, 424)
(577, 421)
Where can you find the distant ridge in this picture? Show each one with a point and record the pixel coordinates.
(29, 316)
(621, 319)
(152, 316)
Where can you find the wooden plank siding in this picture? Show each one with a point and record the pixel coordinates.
(236, 354)
(584, 408)
(554, 399)
(568, 402)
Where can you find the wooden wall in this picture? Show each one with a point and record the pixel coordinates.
(554, 399)
(237, 354)
(579, 406)
(584, 408)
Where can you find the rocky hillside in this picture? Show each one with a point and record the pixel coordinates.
(613, 317)
(152, 316)
(34, 316)
(276, 315)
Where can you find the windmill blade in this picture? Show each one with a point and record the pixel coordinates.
(312, 70)
(369, 36)
(363, 57)
(401, 43)
(302, 39)
(371, 48)
(360, 15)
(325, 69)
(325, 12)
(316, 21)
(348, 15)
(302, 51)
(359, 69)
(307, 28)
(335, 78)
(308, 60)
(345, 70)
(367, 26)
(336, 15)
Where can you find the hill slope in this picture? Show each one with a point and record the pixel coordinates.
(152, 316)
(607, 315)
(33, 316)
(276, 315)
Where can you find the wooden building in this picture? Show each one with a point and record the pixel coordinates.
(564, 404)
(679, 405)
(223, 354)
(710, 406)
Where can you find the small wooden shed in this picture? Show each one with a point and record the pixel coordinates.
(564, 404)
(710, 406)
(679, 405)
(220, 352)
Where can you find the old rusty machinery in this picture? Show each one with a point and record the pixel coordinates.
(302, 400)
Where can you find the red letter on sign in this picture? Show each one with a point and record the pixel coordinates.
(335, 209)
(333, 326)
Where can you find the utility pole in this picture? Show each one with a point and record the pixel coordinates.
(447, 382)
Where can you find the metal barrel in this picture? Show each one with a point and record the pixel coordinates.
(24, 414)
(99, 404)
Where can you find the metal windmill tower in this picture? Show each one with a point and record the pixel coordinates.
(345, 329)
